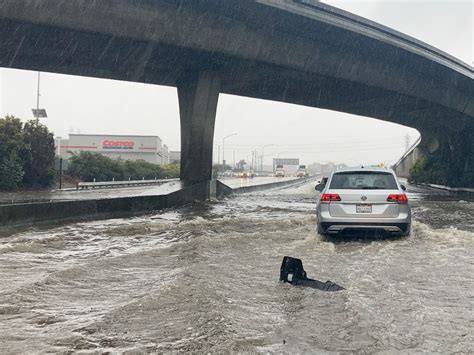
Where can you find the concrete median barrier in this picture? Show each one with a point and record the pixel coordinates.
(25, 214)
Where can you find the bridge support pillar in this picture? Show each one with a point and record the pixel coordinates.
(198, 93)
(445, 158)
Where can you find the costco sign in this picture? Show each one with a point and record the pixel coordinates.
(109, 144)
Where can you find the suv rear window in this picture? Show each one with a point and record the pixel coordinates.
(366, 180)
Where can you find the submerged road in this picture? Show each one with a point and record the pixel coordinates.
(205, 278)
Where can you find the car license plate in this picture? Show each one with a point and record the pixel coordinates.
(364, 208)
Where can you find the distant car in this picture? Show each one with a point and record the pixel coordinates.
(279, 173)
(247, 174)
(227, 173)
(301, 172)
(363, 199)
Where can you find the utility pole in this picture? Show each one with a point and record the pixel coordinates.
(218, 154)
(261, 164)
(256, 160)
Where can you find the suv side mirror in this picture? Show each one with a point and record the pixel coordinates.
(404, 188)
(319, 187)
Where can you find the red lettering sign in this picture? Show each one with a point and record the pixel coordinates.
(109, 144)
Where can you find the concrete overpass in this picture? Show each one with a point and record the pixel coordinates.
(295, 51)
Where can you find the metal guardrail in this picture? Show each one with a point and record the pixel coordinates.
(112, 184)
(407, 153)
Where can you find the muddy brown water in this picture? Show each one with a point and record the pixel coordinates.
(205, 278)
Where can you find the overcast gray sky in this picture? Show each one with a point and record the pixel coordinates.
(88, 105)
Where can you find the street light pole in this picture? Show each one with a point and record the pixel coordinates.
(37, 112)
(223, 143)
(38, 95)
(58, 145)
(38, 99)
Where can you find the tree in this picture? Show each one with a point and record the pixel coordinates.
(12, 145)
(11, 174)
(13, 152)
(26, 154)
(88, 166)
(39, 171)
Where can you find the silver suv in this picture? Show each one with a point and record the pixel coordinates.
(363, 199)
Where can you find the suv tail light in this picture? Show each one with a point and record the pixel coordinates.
(329, 197)
(398, 198)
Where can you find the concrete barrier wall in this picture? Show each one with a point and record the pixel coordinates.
(67, 211)
(224, 190)
(404, 167)
(54, 211)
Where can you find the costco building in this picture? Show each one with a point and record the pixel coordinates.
(148, 148)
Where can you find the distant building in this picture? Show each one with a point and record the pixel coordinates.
(148, 148)
(175, 156)
(165, 154)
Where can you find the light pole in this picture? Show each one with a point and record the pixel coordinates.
(58, 146)
(38, 112)
(261, 160)
(223, 143)
(38, 92)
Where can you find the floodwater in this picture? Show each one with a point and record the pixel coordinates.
(205, 278)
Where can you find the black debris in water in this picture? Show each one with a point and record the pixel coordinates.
(294, 267)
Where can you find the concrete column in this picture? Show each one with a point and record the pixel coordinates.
(198, 94)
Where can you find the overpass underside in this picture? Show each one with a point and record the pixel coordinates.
(277, 52)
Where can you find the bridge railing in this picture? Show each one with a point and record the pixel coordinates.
(371, 28)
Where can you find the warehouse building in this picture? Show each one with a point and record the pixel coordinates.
(148, 148)
(175, 156)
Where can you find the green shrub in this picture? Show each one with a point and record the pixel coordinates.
(11, 174)
(425, 170)
(88, 166)
(171, 170)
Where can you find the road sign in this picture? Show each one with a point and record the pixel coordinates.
(285, 161)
